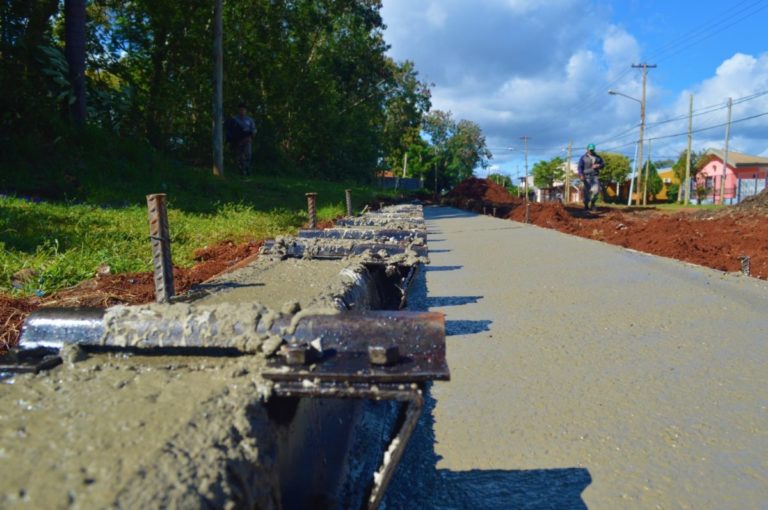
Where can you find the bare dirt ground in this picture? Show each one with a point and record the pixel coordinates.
(714, 239)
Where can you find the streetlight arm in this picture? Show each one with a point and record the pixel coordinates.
(617, 93)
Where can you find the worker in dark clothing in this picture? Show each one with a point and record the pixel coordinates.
(240, 130)
(590, 165)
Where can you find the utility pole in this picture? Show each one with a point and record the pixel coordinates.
(725, 160)
(645, 68)
(633, 179)
(218, 89)
(527, 205)
(567, 190)
(687, 190)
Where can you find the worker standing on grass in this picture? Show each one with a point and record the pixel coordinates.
(240, 130)
(590, 165)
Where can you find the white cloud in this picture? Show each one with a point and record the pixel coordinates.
(436, 15)
(543, 69)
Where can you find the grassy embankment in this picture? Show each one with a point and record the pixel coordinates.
(93, 209)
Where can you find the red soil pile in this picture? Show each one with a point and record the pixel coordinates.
(128, 289)
(482, 190)
(758, 202)
(715, 240)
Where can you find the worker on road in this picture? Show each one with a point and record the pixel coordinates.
(590, 165)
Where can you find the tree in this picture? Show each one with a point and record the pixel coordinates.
(74, 43)
(616, 169)
(457, 148)
(655, 184)
(501, 180)
(545, 173)
(679, 169)
(407, 100)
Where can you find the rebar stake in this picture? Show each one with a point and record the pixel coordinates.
(348, 196)
(161, 247)
(745, 263)
(312, 209)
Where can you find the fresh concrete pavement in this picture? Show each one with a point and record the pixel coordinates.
(587, 375)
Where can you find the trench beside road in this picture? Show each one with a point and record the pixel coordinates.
(587, 375)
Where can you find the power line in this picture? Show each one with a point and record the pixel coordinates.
(709, 109)
(714, 30)
(712, 127)
(665, 51)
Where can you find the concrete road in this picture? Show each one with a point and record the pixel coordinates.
(587, 375)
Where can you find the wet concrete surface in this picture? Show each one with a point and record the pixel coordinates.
(155, 430)
(159, 431)
(586, 376)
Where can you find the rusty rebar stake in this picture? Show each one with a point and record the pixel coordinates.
(745, 264)
(348, 197)
(312, 209)
(160, 238)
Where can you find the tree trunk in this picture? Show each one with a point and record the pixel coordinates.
(218, 90)
(74, 39)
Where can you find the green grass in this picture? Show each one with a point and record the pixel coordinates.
(94, 208)
(64, 244)
(667, 207)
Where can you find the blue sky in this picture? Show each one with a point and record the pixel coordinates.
(543, 68)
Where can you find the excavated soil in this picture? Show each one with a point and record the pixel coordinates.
(715, 239)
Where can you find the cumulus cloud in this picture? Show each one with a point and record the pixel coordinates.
(543, 69)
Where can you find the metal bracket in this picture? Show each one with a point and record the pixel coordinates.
(413, 403)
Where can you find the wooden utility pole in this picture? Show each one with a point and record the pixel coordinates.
(687, 182)
(645, 68)
(725, 160)
(218, 89)
(567, 190)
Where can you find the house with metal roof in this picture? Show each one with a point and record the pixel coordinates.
(744, 175)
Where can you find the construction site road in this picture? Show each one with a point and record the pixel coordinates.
(585, 375)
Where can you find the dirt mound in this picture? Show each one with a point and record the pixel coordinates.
(126, 289)
(550, 215)
(712, 239)
(482, 190)
(759, 201)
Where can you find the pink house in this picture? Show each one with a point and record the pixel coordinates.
(745, 176)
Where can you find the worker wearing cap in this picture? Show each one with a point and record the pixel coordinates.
(590, 165)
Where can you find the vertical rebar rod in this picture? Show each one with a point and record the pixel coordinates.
(161, 247)
(348, 196)
(312, 209)
(745, 263)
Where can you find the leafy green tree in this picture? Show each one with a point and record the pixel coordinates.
(545, 173)
(501, 180)
(655, 184)
(678, 168)
(407, 100)
(616, 169)
(457, 148)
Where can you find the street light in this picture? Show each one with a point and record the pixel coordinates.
(640, 146)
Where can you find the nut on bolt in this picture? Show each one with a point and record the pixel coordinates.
(299, 354)
(381, 355)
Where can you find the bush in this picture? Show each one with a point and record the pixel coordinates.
(672, 191)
